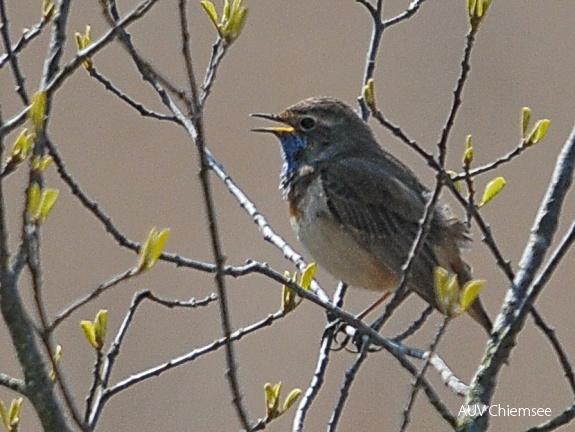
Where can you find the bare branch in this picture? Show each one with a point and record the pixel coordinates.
(317, 379)
(24, 40)
(62, 316)
(16, 71)
(408, 13)
(521, 296)
(415, 387)
(457, 93)
(123, 96)
(562, 419)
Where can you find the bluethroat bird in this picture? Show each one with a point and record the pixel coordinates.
(356, 208)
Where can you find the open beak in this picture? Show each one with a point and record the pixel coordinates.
(276, 130)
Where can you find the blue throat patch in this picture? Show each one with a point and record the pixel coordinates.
(291, 144)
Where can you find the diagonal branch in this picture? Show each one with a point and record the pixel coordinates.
(521, 296)
(24, 40)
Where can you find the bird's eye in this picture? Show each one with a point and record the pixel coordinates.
(307, 123)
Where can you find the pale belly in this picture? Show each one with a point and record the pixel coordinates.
(339, 253)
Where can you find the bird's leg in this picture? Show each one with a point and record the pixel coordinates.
(341, 327)
(375, 304)
(355, 338)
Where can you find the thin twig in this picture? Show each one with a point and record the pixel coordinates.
(5, 269)
(415, 326)
(469, 180)
(186, 304)
(349, 379)
(415, 388)
(67, 70)
(554, 341)
(14, 64)
(14, 122)
(186, 51)
(377, 29)
(114, 350)
(136, 14)
(219, 259)
(146, 69)
(24, 40)
(317, 380)
(492, 165)
(145, 112)
(448, 377)
(408, 13)
(562, 419)
(95, 385)
(31, 243)
(219, 50)
(402, 136)
(191, 356)
(376, 33)
(370, 8)
(62, 316)
(457, 93)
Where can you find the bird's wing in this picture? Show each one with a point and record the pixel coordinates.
(380, 191)
(383, 211)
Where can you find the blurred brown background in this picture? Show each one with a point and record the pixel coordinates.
(143, 173)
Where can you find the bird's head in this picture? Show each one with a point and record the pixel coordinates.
(316, 130)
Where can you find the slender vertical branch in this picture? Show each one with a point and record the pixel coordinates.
(209, 205)
(317, 379)
(4, 251)
(219, 260)
(186, 50)
(349, 379)
(457, 93)
(14, 64)
(96, 383)
(370, 63)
